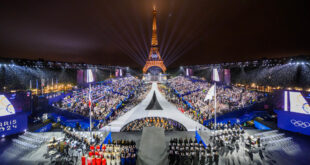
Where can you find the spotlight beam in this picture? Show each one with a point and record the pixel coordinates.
(125, 33)
(176, 24)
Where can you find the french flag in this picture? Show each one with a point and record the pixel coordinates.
(89, 97)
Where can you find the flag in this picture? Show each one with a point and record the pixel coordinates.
(210, 93)
(42, 82)
(89, 97)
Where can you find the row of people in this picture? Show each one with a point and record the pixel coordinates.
(183, 152)
(227, 138)
(167, 124)
(116, 153)
(77, 146)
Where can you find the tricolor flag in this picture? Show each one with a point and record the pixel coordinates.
(42, 82)
(89, 97)
(210, 93)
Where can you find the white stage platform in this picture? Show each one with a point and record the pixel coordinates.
(169, 111)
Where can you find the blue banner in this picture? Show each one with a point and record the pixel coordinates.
(107, 139)
(199, 139)
(260, 126)
(13, 124)
(58, 98)
(294, 122)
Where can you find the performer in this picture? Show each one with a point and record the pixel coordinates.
(210, 158)
(89, 161)
(104, 161)
(202, 159)
(216, 158)
(98, 160)
(83, 160)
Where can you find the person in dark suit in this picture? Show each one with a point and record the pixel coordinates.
(258, 141)
(171, 157)
(67, 149)
(216, 158)
(177, 157)
(209, 149)
(251, 155)
(181, 158)
(186, 141)
(186, 159)
(210, 158)
(195, 158)
(202, 159)
(180, 140)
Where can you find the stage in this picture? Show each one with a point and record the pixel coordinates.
(169, 111)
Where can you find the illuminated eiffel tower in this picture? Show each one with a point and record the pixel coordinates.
(154, 58)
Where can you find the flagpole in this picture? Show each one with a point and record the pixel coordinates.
(90, 132)
(215, 104)
(37, 86)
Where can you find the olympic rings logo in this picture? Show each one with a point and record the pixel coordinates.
(299, 123)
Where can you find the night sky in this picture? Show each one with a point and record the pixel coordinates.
(118, 32)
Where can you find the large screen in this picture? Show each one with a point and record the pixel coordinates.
(227, 76)
(80, 77)
(189, 72)
(12, 121)
(6, 108)
(294, 111)
(121, 72)
(297, 102)
(13, 103)
(215, 75)
(116, 72)
(90, 76)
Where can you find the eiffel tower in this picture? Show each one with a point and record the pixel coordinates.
(154, 58)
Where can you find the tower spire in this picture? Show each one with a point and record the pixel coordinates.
(154, 28)
(154, 58)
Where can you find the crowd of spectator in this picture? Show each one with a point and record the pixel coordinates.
(139, 95)
(167, 124)
(194, 92)
(104, 97)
